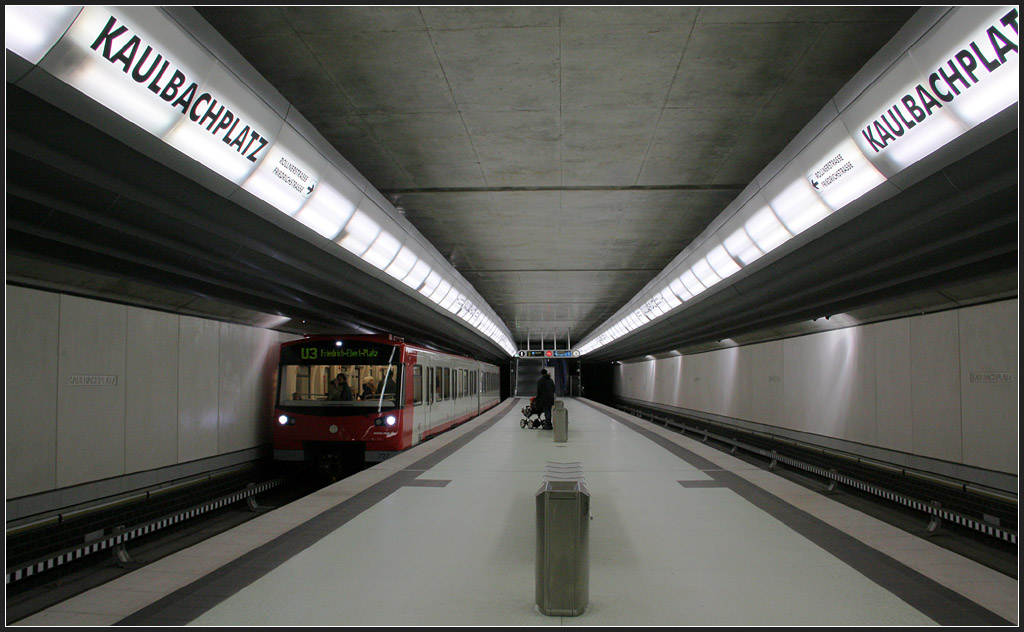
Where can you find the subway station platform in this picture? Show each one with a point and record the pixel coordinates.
(445, 534)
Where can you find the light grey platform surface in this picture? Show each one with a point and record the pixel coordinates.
(444, 534)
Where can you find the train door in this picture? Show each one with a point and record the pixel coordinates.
(447, 407)
(474, 379)
(425, 415)
(419, 401)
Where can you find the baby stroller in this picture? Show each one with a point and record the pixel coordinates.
(531, 416)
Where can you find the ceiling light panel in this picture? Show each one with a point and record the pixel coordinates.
(330, 207)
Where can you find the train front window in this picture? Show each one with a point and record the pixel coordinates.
(348, 385)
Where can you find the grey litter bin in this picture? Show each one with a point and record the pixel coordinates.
(563, 559)
(560, 424)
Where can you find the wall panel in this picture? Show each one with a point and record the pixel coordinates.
(198, 387)
(235, 407)
(151, 390)
(989, 381)
(892, 385)
(90, 391)
(32, 319)
(935, 385)
(769, 401)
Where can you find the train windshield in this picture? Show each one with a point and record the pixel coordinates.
(325, 377)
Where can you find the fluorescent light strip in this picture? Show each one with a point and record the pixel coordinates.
(442, 291)
(382, 251)
(327, 211)
(403, 263)
(359, 233)
(417, 275)
(691, 282)
(32, 30)
(670, 298)
(434, 279)
(721, 262)
(702, 270)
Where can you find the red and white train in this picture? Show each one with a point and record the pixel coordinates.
(398, 395)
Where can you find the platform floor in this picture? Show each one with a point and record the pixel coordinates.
(682, 534)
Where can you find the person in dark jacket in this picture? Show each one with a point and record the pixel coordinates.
(545, 396)
(339, 390)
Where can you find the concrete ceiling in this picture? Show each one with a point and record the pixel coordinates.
(559, 157)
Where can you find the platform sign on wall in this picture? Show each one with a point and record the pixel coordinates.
(961, 73)
(836, 169)
(971, 61)
(227, 128)
(289, 176)
(142, 65)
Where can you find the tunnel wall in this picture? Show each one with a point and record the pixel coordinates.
(941, 386)
(98, 390)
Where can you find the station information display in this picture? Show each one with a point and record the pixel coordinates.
(548, 353)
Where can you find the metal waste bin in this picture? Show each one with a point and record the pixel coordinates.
(563, 525)
(560, 424)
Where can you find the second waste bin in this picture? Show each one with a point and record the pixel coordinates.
(563, 558)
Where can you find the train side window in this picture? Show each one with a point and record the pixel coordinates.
(417, 384)
(447, 392)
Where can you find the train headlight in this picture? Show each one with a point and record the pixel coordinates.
(285, 420)
(391, 420)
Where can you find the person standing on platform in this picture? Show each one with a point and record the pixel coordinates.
(545, 396)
